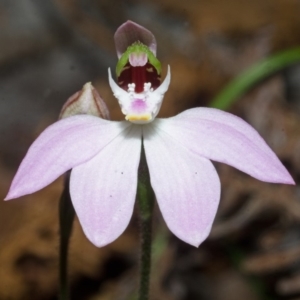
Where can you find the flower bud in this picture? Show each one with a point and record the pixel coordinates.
(85, 102)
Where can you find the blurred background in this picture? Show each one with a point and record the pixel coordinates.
(49, 49)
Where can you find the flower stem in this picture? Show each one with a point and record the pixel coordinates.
(145, 200)
(66, 217)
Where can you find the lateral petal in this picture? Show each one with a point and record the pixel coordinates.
(226, 138)
(103, 189)
(187, 187)
(60, 147)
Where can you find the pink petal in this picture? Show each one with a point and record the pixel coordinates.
(186, 186)
(223, 137)
(103, 190)
(62, 146)
(129, 33)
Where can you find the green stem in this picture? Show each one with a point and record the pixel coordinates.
(66, 218)
(145, 198)
(238, 86)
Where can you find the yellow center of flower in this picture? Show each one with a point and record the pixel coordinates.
(133, 117)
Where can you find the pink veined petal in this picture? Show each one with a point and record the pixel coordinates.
(226, 138)
(187, 187)
(103, 189)
(129, 33)
(62, 146)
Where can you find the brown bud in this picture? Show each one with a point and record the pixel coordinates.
(85, 102)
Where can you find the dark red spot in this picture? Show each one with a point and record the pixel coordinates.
(139, 76)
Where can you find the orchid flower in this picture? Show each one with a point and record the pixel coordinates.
(104, 155)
